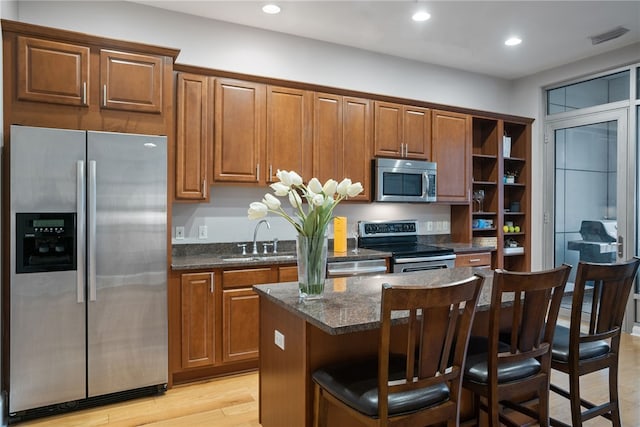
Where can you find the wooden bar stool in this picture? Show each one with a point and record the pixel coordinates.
(420, 387)
(579, 351)
(513, 364)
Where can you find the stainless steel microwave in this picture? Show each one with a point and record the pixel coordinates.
(404, 180)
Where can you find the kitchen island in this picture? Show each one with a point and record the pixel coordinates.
(298, 337)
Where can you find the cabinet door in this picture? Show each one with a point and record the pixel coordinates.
(416, 131)
(194, 135)
(289, 125)
(198, 310)
(388, 129)
(239, 130)
(327, 137)
(240, 324)
(451, 147)
(356, 149)
(52, 72)
(131, 81)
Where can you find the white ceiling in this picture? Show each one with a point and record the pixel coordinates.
(467, 35)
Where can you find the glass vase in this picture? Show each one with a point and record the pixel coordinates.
(311, 252)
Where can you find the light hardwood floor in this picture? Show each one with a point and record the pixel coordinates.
(233, 401)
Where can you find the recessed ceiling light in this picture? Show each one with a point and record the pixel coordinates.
(421, 16)
(271, 9)
(513, 41)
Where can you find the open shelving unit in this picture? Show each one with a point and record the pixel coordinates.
(483, 226)
(516, 197)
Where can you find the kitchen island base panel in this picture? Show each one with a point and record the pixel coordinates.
(286, 388)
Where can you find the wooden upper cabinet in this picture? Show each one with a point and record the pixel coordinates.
(288, 143)
(328, 158)
(198, 311)
(52, 72)
(239, 130)
(131, 81)
(416, 132)
(451, 150)
(194, 135)
(388, 129)
(356, 148)
(342, 140)
(402, 131)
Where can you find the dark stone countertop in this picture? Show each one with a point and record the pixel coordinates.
(461, 248)
(353, 304)
(223, 255)
(213, 259)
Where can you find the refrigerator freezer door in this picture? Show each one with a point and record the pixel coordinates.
(47, 321)
(127, 321)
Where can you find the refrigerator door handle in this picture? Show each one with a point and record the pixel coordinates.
(91, 253)
(81, 230)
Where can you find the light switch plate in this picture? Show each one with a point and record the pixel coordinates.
(202, 232)
(278, 338)
(179, 233)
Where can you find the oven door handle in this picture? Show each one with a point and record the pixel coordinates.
(356, 271)
(424, 259)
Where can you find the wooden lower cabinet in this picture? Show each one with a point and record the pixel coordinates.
(197, 326)
(214, 320)
(239, 324)
(476, 259)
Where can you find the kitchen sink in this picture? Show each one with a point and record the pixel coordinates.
(249, 258)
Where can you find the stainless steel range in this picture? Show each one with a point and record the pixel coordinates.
(400, 238)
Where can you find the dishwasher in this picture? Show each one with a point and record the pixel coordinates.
(356, 268)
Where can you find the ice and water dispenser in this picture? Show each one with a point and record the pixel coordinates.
(45, 242)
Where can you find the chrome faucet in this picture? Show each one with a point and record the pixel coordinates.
(255, 233)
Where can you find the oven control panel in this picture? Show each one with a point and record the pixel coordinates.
(388, 228)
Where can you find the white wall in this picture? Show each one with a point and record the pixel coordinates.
(526, 99)
(231, 47)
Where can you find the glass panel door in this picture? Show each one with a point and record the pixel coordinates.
(589, 215)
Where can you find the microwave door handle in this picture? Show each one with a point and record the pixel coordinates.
(425, 185)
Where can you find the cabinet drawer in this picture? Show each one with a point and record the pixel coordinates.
(288, 274)
(473, 260)
(249, 277)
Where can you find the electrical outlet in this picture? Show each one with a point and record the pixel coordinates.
(278, 338)
(429, 225)
(179, 233)
(202, 232)
(445, 226)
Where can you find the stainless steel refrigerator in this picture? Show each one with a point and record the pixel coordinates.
(88, 279)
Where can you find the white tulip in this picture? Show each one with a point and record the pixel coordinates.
(295, 178)
(343, 187)
(271, 202)
(284, 177)
(354, 189)
(315, 186)
(280, 189)
(257, 210)
(318, 200)
(329, 187)
(294, 199)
